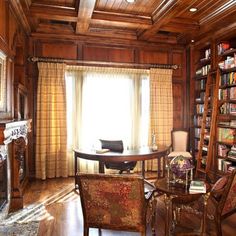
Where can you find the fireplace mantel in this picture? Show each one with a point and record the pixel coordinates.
(13, 139)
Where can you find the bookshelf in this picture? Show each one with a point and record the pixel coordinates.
(205, 110)
(202, 65)
(213, 132)
(226, 122)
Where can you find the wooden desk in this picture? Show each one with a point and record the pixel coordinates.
(180, 193)
(141, 154)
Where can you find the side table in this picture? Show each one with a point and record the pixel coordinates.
(172, 191)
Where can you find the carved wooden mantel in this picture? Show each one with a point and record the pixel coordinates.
(13, 138)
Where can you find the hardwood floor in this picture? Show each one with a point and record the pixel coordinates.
(64, 214)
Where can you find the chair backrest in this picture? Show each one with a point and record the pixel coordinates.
(179, 140)
(113, 201)
(227, 203)
(113, 145)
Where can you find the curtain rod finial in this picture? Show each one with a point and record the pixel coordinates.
(33, 59)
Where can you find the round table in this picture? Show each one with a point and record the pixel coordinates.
(141, 154)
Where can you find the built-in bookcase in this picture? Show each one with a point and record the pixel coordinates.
(218, 58)
(203, 66)
(226, 123)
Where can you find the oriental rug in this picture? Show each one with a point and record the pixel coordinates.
(25, 222)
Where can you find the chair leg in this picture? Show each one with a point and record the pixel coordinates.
(218, 225)
(86, 231)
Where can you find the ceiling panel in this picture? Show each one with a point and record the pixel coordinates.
(146, 20)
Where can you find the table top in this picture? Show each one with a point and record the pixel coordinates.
(177, 189)
(127, 155)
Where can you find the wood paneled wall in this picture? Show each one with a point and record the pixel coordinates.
(114, 52)
(22, 75)
(13, 43)
(154, 54)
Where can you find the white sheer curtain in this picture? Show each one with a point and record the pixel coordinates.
(106, 103)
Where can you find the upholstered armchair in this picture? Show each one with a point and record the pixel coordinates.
(179, 144)
(221, 203)
(115, 202)
(223, 198)
(117, 146)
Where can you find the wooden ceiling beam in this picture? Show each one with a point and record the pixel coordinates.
(117, 24)
(58, 17)
(121, 17)
(162, 15)
(178, 27)
(86, 8)
(17, 8)
(55, 6)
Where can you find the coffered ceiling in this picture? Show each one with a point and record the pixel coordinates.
(146, 20)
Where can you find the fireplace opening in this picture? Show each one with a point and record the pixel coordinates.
(3, 182)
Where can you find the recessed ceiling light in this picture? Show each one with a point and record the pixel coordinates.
(130, 1)
(192, 41)
(193, 9)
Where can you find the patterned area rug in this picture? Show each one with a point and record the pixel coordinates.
(25, 222)
(16, 229)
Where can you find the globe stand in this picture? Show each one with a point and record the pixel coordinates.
(180, 170)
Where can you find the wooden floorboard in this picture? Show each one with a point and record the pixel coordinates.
(64, 214)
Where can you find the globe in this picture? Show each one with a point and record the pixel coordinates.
(179, 165)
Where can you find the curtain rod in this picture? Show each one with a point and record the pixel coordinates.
(119, 64)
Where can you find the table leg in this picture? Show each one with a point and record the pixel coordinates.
(203, 225)
(101, 167)
(159, 167)
(76, 162)
(168, 223)
(143, 169)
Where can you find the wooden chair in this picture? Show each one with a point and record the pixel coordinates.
(179, 144)
(221, 203)
(115, 202)
(117, 146)
(223, 198)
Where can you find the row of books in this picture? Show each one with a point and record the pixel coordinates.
(200, 108)
(231, 123)
(207, 55)
(197, 132)
(226, 135)
(197, 186)
(228, 108)
(203, 70)
(225, 165)
(223, 150)
(228, 78)
(228, 63)
(201, 84)
(201, 97)
(197, 144)
(232, 153)
(227, 93)
(198, 120)
(222, 47)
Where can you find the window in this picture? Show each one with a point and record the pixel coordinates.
(108, 106)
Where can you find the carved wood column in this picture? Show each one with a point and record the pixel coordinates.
(15, 137)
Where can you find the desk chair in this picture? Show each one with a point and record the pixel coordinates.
(117, 146)
(115, 202)
(179, 144)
